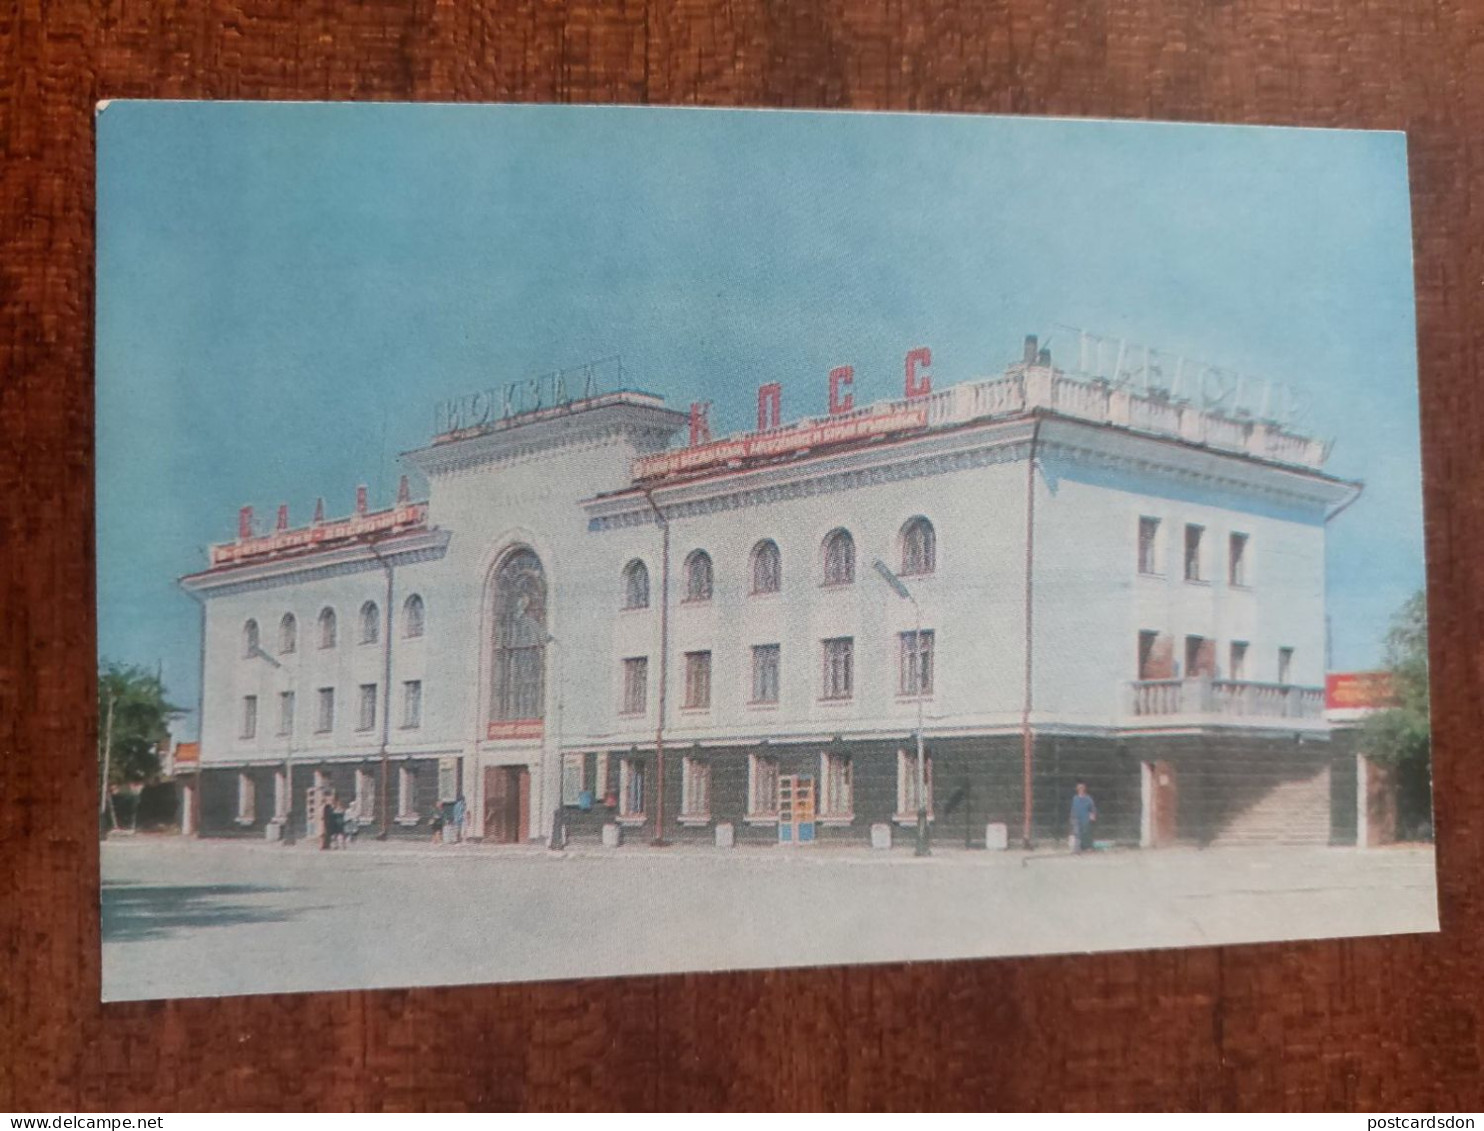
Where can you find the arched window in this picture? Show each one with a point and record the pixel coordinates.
(839, 558)
(327, 627)
(412, 616)
(767, 567)
(370, 622)
(518, 673)
(636, 585)
(919, 547)
(250, 638)
(288, 634)
(698, 576)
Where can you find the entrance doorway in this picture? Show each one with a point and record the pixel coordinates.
(1163, 800)
(507, 803)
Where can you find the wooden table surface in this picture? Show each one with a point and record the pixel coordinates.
(1369, 1025)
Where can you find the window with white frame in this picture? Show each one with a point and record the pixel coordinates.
(324, 721)
(288, 634)
(698, 576)
(765, 662)
(573, 768)
(250, 638)
(635, 685)
(631, 788)
(836, 787)
(1237, 669)
(1285, 665)
(695, 788)
(839, 558)
(413, 613)
(762, 786)
(915, 671)
(839, 668)
(285, 712)
(1236, 560)
(919, 547)
(327, 628)
(636, 585)
(767, 567)
(366, 716)
(406, 794)
(1148, 545)
(370, 623)
(412, 704)
(249, 716)
(907, 784)
(697, 680)
(246, 799)
(1193, 536)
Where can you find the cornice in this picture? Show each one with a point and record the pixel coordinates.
(424, 546)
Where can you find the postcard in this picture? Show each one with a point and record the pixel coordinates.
(546, 542)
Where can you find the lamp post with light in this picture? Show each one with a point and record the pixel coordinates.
(924, 848)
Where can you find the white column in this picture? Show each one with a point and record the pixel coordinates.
(1362, 808)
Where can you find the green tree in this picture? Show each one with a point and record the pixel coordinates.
(1401, 736)
(141, 715)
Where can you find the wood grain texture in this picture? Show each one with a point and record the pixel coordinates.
(1366, 1024)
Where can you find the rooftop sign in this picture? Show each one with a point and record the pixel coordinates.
(548, 390)
(310, 537)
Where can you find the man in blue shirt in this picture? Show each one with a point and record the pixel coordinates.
(1084, 813)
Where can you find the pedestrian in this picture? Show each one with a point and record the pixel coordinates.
(327, 823)
(438, 823)
(352, 820)
(459, 813)
(1084, 813)
(337, 839)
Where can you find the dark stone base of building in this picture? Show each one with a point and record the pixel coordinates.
(1215, 788)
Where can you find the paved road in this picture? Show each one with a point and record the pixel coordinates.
(191, 918)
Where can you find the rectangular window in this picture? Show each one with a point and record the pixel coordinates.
(915, 673)
(1238, 666)
(762, 786)
(249, 716)
(907, 784)
(448, 779)
(839, 668)
(765, 673)
(366, 794)
(631, 788)
(366, 719)
(1148, 544)
(837, 787)
(1193, 551)
(324, 723)
(406, 794)
(695, 796)
(1155, 659)
(1285, 665)
(1200, 657)
(697, 680)
(285, 712)
(1236, 562)
(573, 766)
(412, 703)
(246, 799)
(635, 685)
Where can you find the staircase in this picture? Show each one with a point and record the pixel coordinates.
(1293, 812)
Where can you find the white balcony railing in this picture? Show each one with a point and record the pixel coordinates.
(1225, 699)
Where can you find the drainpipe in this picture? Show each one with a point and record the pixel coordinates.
(200, 715)
(659, 729)
(1025, 709)
(386, 699)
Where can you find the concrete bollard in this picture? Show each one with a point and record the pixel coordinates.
(880, 836)
(997, 836)
(612, 836)
(726, 835)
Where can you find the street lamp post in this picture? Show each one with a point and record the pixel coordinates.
(558, 831)
(924, 847)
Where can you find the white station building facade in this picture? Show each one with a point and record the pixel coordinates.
(587, 625)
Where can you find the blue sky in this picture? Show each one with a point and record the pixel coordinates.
(284, 292)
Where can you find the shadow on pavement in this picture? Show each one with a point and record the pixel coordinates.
(132, 912)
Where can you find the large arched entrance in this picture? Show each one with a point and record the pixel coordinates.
(517, 691)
